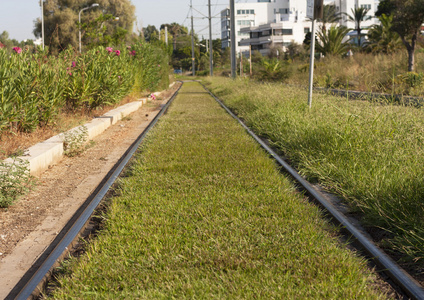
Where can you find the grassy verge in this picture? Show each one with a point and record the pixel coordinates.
(204, 213)
(370, 154)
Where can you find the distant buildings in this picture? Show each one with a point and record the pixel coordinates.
(277, 23)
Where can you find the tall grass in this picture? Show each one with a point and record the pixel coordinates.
(370, 154)
(205, 214)
(367, 72)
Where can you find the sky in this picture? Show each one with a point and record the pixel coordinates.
(17, 16)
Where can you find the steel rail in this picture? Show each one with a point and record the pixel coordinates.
(77, 226)
(408, 285)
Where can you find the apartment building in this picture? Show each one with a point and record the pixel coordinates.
(277, 23)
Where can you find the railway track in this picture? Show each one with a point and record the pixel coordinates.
(32, 283)
(400, 277)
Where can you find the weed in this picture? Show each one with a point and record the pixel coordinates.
(74, 141)
(371, 154)
(15, 180)
(205, 214)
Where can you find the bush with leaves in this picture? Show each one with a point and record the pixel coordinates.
(34, 88)
(273, 70)
(15, 180)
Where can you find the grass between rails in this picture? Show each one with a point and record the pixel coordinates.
(370, 154)
(204, 213)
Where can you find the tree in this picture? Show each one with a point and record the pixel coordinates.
(359, 14)
(61, 21)
(98, 34)
(150, 33)
(408, 16)
(10, 43)
(295, 50)
(331, 42)
(329, 16)
(381, 37)
(175, 30)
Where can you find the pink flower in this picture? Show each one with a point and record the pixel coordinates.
(118, 52)
(132, 53)
(17, 50)
(153, 96)
(109, 49)
(74, 64)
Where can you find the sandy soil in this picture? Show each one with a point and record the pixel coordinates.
(30, 225)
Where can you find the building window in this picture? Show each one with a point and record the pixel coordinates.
(306, 30)
(281, 11)
(245, 11)
(244, 22)
(225, 13)
(287, 31)
(366, 6)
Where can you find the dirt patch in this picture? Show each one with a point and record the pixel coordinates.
(32, 222)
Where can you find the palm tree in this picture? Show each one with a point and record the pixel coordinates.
(359, 14)
(381, 38)
(329, 16)
(331, 42)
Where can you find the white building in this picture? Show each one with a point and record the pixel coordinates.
(346, 6)
(278, 23)
(246, 15)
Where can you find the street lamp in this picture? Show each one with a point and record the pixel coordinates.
(79, 21)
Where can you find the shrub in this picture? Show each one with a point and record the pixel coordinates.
(34, 88)
(15, 180)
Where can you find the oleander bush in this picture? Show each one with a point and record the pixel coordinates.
(36, 87)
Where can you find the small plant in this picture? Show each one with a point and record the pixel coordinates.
(75, 140)
(15, 180)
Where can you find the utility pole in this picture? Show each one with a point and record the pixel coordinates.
(250, 59)
(241, 63)
(166, 35)
(42, 22)
(210, 40)
(233, 40)
(193, 66)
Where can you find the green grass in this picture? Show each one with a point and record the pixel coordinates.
(371, 154)
(204, 213)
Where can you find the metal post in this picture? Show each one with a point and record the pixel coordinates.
(79, 22)
(193, 66)
(42, 22)
(241, 63)
(311, 64)
(166, 35)
(250, 59)
(210, 41)
(79, 29)
(233, 40)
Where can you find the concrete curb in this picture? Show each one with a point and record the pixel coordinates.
(45, 154)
